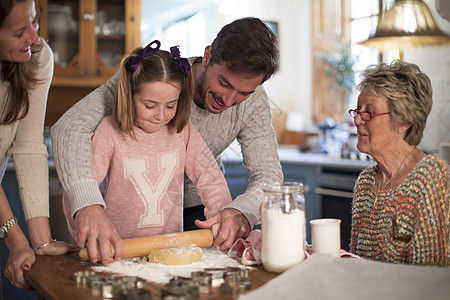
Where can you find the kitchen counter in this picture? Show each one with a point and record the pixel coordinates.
(289, 154)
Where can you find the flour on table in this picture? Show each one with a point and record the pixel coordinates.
(160, 273)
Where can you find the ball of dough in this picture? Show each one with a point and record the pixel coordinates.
(176, 256)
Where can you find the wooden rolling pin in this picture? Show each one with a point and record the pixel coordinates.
(141, 246)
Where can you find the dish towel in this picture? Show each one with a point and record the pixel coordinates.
(248, 250)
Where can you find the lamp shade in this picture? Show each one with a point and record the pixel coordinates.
(407, 24)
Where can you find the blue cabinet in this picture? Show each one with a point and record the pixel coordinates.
(306, 174)
(236, 177)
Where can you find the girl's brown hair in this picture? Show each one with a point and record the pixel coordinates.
(159, 66)
(20, 76)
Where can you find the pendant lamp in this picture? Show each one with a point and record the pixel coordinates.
(407, 24)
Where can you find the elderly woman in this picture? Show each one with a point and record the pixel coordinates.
(401, 204)
(26, 69)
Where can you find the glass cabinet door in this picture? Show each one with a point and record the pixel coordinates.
(110, 34)
(89, 38)
(63, 32)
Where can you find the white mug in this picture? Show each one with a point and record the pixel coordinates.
(326, 236)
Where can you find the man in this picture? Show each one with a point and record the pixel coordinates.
(229, 103)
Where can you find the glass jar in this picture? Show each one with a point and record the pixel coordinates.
(283, 226)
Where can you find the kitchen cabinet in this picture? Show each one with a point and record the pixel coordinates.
(307, 175)
(89, 38)
(236, 177)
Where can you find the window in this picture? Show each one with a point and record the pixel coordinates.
(364, 20)
(183, 23)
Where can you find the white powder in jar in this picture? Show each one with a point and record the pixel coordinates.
(160, 273)
(283, 239)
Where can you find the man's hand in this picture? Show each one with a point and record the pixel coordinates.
(227, 226)
(95, 231)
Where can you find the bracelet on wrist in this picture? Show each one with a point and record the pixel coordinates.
(44, 245)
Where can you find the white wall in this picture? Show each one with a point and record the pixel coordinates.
(290, 88)
(435, 62)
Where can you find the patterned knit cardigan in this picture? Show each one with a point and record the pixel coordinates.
(409, 224)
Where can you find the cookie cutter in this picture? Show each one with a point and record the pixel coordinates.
(133, 294)
(83, 277)
(128, 287)
(180, 281)
(188, 292)
(107, 290)
(133, 282)
(236, 282)
(203, 280)
(217, 276)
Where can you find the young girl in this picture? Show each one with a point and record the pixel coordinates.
(142, 152)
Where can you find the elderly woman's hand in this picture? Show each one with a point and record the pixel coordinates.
(20, 259)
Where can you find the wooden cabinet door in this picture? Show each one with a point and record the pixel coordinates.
(330, 24)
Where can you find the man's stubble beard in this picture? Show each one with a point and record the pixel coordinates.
(201, 91)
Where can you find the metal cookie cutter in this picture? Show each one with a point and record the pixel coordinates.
(180, 281)
(236, 282)
(188, 292)
(203, 280)
(130, 287)
(83, 277)
(107, 290)
(217, 276)
(133, 294)
(133, 282)
(242, 272)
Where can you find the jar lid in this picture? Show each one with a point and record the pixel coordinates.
(284, 188)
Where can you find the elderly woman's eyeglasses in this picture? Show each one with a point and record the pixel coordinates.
(365, 115)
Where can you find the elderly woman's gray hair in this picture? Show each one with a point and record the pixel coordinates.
(408, 92)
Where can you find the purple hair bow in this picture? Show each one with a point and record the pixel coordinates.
(134, 62)
(183, 63)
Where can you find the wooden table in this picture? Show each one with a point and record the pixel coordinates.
(52, 278)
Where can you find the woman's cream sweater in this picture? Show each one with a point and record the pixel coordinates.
(23, 141)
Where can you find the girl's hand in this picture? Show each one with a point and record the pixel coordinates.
(20, 259)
